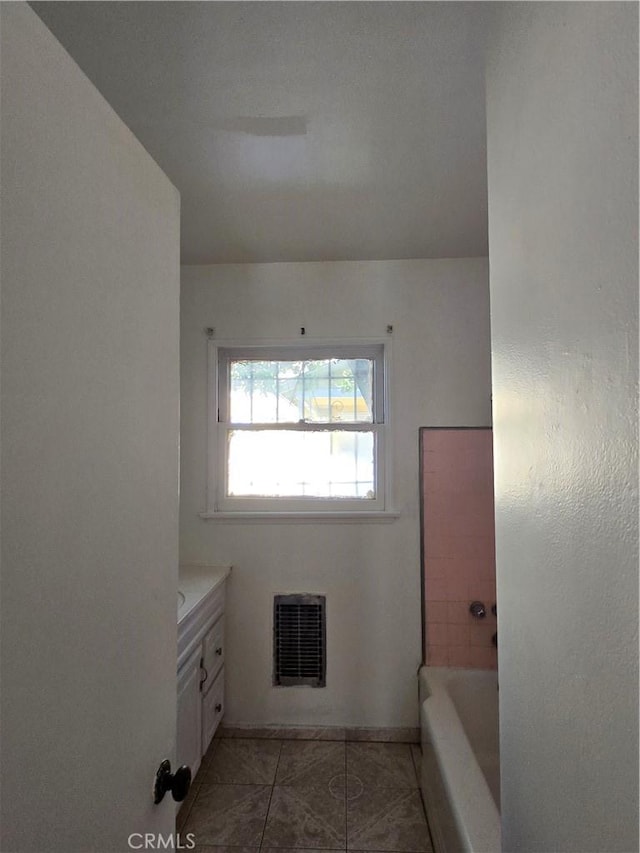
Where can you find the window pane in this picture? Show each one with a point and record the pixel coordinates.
(260, 392)
(352, 390)
(316, 390)
(286, 463)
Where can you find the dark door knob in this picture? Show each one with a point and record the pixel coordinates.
(178, 783)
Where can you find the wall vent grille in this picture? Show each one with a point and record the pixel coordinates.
(299, 640)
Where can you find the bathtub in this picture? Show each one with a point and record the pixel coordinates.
(460, 773)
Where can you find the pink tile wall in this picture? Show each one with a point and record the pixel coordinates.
(458, 546)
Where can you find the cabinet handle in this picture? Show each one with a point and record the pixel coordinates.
(218, 708)
(219, 650)
(206, 674)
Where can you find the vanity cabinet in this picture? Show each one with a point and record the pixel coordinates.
(189, 741)
(213, 684)
(201, 654)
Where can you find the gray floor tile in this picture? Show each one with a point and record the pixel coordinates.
(305, 817)
(387, 819)
(301, 850)
(213, 848)
(285, 732)
(185, 808)
(416, 754)
(318, 807)
(206, 758)
(385, 735)
(196, 783)
(244, 762)
(381, 765)
(305, 763)
(232, 815)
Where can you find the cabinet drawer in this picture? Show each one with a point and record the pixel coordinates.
(213, 652)
(212, 710)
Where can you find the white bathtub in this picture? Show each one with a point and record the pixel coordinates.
(460, 774)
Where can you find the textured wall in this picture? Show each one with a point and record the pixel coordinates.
(563, 216)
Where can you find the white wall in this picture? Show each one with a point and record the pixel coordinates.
(369, 572)
(563, 206)
(90, 300)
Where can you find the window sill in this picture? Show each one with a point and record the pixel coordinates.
(372, 517)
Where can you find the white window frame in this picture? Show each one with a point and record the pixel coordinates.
(219, 504)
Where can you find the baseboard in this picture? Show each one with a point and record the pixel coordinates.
(340, 733)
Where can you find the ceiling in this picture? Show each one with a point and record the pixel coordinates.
(301, 131)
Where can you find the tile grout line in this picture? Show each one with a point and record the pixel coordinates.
(202, 770)
(424, 805)
(266, 817)
(414, 757)
(346, 800)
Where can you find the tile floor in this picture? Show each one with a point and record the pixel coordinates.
(276, 795)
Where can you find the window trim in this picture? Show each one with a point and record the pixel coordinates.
(220, 505)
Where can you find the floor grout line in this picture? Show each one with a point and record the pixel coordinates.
(346, 800)
(201, 773)
(261, 845)
(266, 817)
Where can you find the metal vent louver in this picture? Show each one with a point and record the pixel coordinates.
(299, 640)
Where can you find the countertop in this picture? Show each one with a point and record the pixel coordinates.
(195, 582)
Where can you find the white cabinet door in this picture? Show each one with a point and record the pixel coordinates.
(212, 710)
(188, 749)
(213, 652)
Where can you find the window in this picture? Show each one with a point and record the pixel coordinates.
(298, 428)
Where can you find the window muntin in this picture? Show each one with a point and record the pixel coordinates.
(320, 390)
(300, 428)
